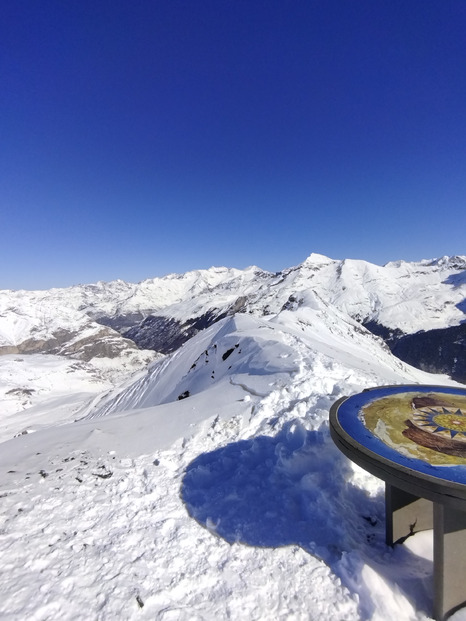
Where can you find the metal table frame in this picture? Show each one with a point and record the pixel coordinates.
(414, 502)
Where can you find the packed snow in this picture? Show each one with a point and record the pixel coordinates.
(206, 486)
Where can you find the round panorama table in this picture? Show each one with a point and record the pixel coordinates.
(414, 438)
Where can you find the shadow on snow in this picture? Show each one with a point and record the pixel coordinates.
(293, 489)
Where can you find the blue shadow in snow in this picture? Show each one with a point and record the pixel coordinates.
(270, 491)
(462, 307)
(293, 489)
(456, 280)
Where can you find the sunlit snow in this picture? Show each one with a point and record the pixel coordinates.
(206, 486)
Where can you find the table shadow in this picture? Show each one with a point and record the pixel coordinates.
(293, 489)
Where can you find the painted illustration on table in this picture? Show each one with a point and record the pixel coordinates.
(427, 426)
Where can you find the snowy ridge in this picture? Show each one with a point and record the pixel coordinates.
(206, 486)
(408, 296)
(241, 351)
(258, 354)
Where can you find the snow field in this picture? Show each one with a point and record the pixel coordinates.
(116, 540)
(230, 504)
(27, 382)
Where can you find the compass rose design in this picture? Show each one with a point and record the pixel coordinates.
(425, 424)
(448, 423)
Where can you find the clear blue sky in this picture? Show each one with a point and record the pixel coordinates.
(142, 137)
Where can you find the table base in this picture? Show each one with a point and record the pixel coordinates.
(407, 514)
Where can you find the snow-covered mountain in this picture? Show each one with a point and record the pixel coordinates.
(205, 485)
(259, 355)
(49, 322)
(107, 319)
(400, 295)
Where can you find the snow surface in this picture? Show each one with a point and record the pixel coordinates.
(28, 383)
(230, 503)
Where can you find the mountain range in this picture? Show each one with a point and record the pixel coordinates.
(165, 446)
(418, 309)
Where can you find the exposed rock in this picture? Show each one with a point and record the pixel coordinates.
(390, 336)
(120, 323)
(165, 335)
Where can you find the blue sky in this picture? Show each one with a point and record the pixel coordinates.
(144, 137)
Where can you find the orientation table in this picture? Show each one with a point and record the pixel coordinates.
(414, 438)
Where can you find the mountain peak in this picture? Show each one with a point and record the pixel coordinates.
(315, 257)
(455, 262)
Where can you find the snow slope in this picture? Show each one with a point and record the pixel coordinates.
(230, 503)
(33, 383)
